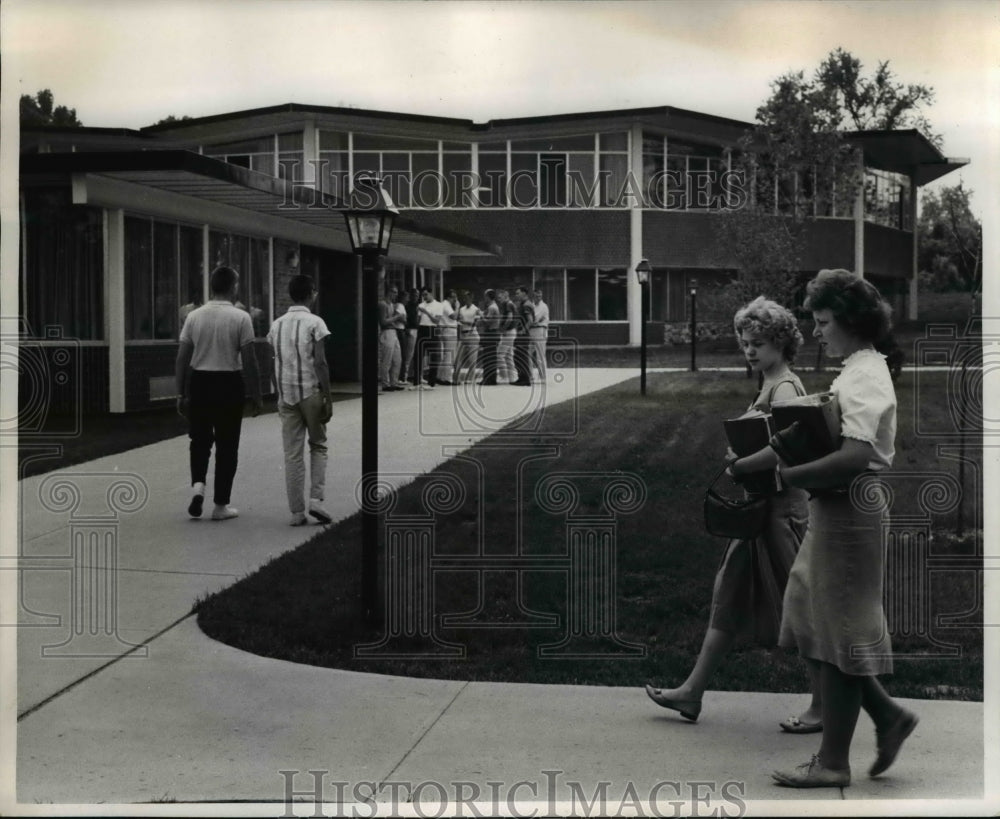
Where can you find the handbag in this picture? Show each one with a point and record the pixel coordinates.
(743, 519)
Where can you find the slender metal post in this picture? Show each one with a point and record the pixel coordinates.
(694, 328)
(642, 336)
(369, 436)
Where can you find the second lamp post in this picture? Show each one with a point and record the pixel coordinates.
(642, 272)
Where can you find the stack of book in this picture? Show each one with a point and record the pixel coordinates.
(799, 429)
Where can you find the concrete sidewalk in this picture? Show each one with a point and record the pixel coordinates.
(110, 562)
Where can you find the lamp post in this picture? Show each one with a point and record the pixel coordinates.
(642, 271)
(369, 224)
(694, 322)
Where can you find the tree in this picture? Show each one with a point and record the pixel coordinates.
(950, 241)
(798, 165)
(879, 102)
(38, 110)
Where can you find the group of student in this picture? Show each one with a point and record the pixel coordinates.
(424, 342)
(824, 552)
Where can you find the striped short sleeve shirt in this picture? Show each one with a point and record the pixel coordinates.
(292, 336)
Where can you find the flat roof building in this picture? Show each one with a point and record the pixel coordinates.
(120, 228)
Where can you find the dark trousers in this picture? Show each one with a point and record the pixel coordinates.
(429, 345)
(488, 343)
(216, 411)
(522, 359)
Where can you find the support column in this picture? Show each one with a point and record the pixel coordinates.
(912, 306)
(632, 291)
(114, 304)
(859, 228)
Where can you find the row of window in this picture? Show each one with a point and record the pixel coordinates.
(165, 275)
(584, 171)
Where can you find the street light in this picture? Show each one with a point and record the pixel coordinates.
(369, 220)
(694, 322)
(642, 271)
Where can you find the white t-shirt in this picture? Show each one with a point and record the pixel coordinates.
(434, 308)
(218, 331)
(868, 404)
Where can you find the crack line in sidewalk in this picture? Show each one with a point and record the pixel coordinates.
(99, 669)
(419, 739)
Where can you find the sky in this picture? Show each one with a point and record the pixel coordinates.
(129, 63)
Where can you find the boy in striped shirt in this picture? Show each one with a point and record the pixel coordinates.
(302, 380)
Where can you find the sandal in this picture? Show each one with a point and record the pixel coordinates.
(794, 725)
(689, 709)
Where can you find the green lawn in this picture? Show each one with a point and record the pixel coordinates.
(303, 605)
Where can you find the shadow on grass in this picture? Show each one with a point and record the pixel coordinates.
(303, 606)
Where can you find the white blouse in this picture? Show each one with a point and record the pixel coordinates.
(868, 404)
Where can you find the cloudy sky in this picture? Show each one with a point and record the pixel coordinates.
(129, 63)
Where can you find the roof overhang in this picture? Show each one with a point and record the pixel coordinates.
(907, 152)
(187, 174)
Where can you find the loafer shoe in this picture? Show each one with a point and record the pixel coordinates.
(689, 709)
(298, 519)
(890, 741)
(813, 774)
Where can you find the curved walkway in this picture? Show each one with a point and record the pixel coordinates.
(121, 699)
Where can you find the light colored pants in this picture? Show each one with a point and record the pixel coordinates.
(505, 355)
(296, 421)
(449, 347)
(389, 358)
(468, 351)
(409, 345)
(539, 338)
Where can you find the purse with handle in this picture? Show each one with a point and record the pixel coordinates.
(743, 519)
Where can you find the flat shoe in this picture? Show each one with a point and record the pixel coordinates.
(689, 709)
(890, 742)
(793, 725)
(812, 774)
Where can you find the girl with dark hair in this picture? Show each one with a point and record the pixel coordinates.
(832, 607)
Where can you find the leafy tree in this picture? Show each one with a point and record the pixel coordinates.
(38, 110)
(949, 241)
(879, 102)
(798, 165)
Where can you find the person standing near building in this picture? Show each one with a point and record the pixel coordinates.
(411, 330)
(468, 338)
(301, 378)
(400, 309)
(432, 314)
(389, 356)
(216, 343)
(448, 330)
(489, 337)
(522, 340)
(508, 332)
(539, 333)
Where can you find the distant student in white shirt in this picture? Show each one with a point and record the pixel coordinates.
(302, 380)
